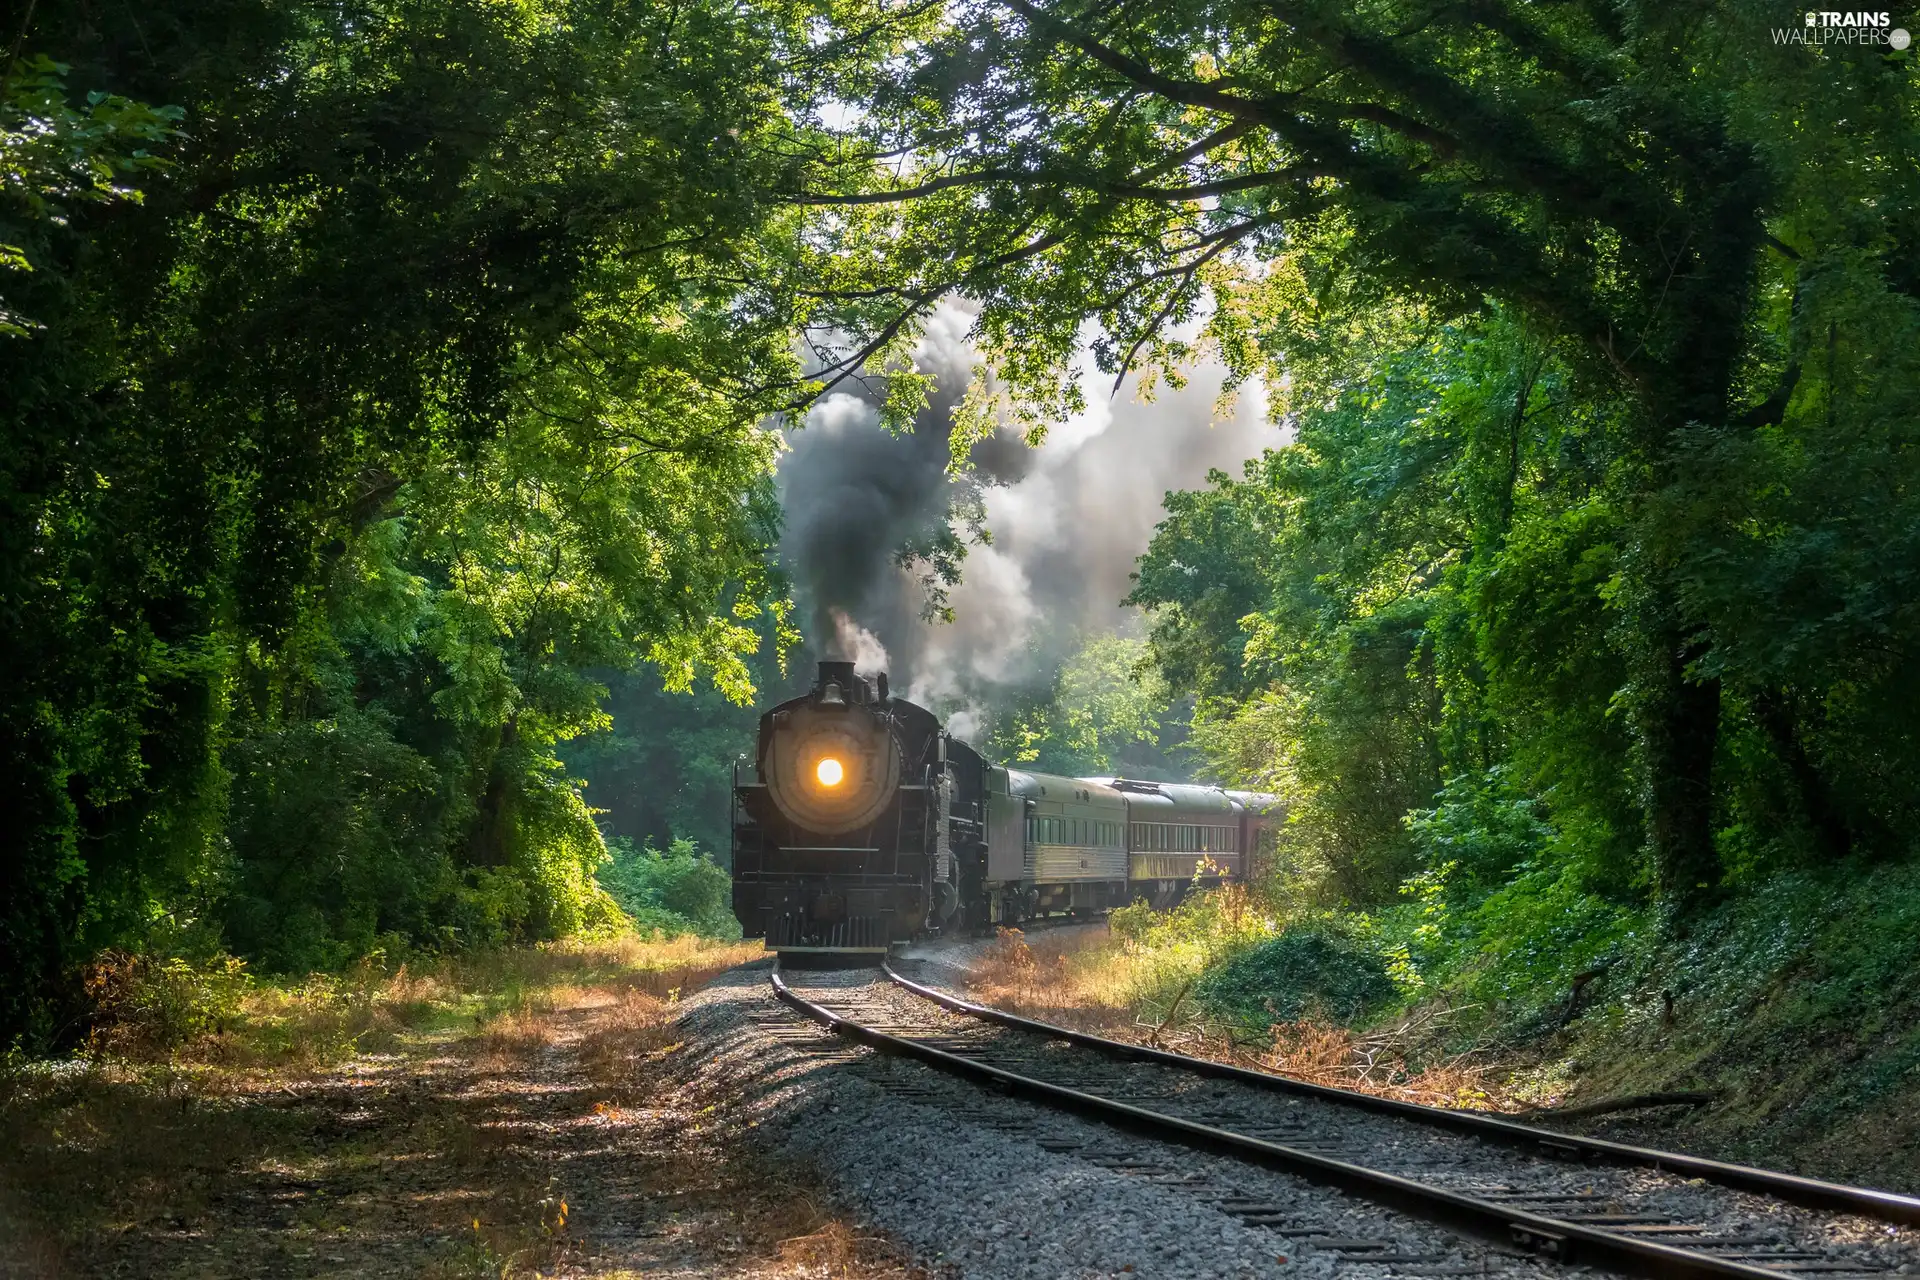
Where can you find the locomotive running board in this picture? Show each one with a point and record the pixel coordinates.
(828, 951)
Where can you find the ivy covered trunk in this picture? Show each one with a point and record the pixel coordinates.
(1679, 728)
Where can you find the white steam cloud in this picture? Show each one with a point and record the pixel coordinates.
(857, 643)
(1069, 521)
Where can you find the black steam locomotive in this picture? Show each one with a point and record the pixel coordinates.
(868, 824)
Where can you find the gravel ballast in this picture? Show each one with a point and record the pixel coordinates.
(1441, 1157)
(993, 1187)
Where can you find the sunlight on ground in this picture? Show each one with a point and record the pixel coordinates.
(513, 1113)
(216, 1014)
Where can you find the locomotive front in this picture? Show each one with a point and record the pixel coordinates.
(839, 841)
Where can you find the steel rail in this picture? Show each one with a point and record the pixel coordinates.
(1809, 1193)
(1560, 1240)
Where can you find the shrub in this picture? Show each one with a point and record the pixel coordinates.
(344, 839)
(1304, 969)
(149, 1006)
(679, 891)
(1131, 923)
(336, 838)
(1164, 953)
(1481, 829)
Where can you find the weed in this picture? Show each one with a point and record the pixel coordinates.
(149, 1006)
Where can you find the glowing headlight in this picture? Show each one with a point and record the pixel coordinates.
(829, 772)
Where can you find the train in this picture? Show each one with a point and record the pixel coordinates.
(865, 824)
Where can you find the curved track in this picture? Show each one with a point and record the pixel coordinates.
(1569, 1199)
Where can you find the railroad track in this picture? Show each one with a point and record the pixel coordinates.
(1565, 1199)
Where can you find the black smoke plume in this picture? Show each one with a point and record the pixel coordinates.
(1068, 520)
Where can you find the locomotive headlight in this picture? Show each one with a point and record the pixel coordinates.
(829, 769)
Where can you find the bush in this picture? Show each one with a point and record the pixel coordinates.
(1479, 832)
(1508, 909)
(1303, 970)
(1131, 923)
(1165, 953)
(149, 1006)
(679, 891)
(337, 838)
(344, 841)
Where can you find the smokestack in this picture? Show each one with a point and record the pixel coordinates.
(833, 671)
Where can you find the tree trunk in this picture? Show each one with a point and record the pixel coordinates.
(1680, 730)
(1680, 717)
(1775, 714)
(490, 842)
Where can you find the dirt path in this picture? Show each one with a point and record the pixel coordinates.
(559, 1143)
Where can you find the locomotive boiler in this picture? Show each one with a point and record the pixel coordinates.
(865, 824)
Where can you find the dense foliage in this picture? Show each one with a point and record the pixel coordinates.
(1431, 647)
(1591, 568)
(387, 393)
(407, 367)
(1303, 973)
(1104, 710)
(680, 891)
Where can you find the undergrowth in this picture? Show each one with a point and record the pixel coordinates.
(1793, 1004)
(1224, 976)
(150, 1010)
(680, 890)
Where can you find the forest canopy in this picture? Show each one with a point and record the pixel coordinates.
(393, 388)
(401, 367)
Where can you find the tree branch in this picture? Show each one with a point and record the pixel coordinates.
(1224, 186)
(1218, 138)
(918, 301)
(896, 195)
(1173, 298)
(1123, 190)
(1633, 1102)
(1191, 93)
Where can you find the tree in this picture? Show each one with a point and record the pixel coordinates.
(662, 771)
(1615, 174)
(1105, 710)
(430, 371)
(1402, 627)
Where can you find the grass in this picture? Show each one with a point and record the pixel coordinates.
(1140, 989)
(515, 1113)
(1795, 1004)
(214, 1014)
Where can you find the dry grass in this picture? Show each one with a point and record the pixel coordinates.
(1078, 978)
(481, 1117)
(1089, 981)
(216, 1015)
(626, 987)
(630, 1036)
(1380, 1062)
(836, 1249)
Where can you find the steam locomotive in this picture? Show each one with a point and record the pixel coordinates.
(866, 824)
